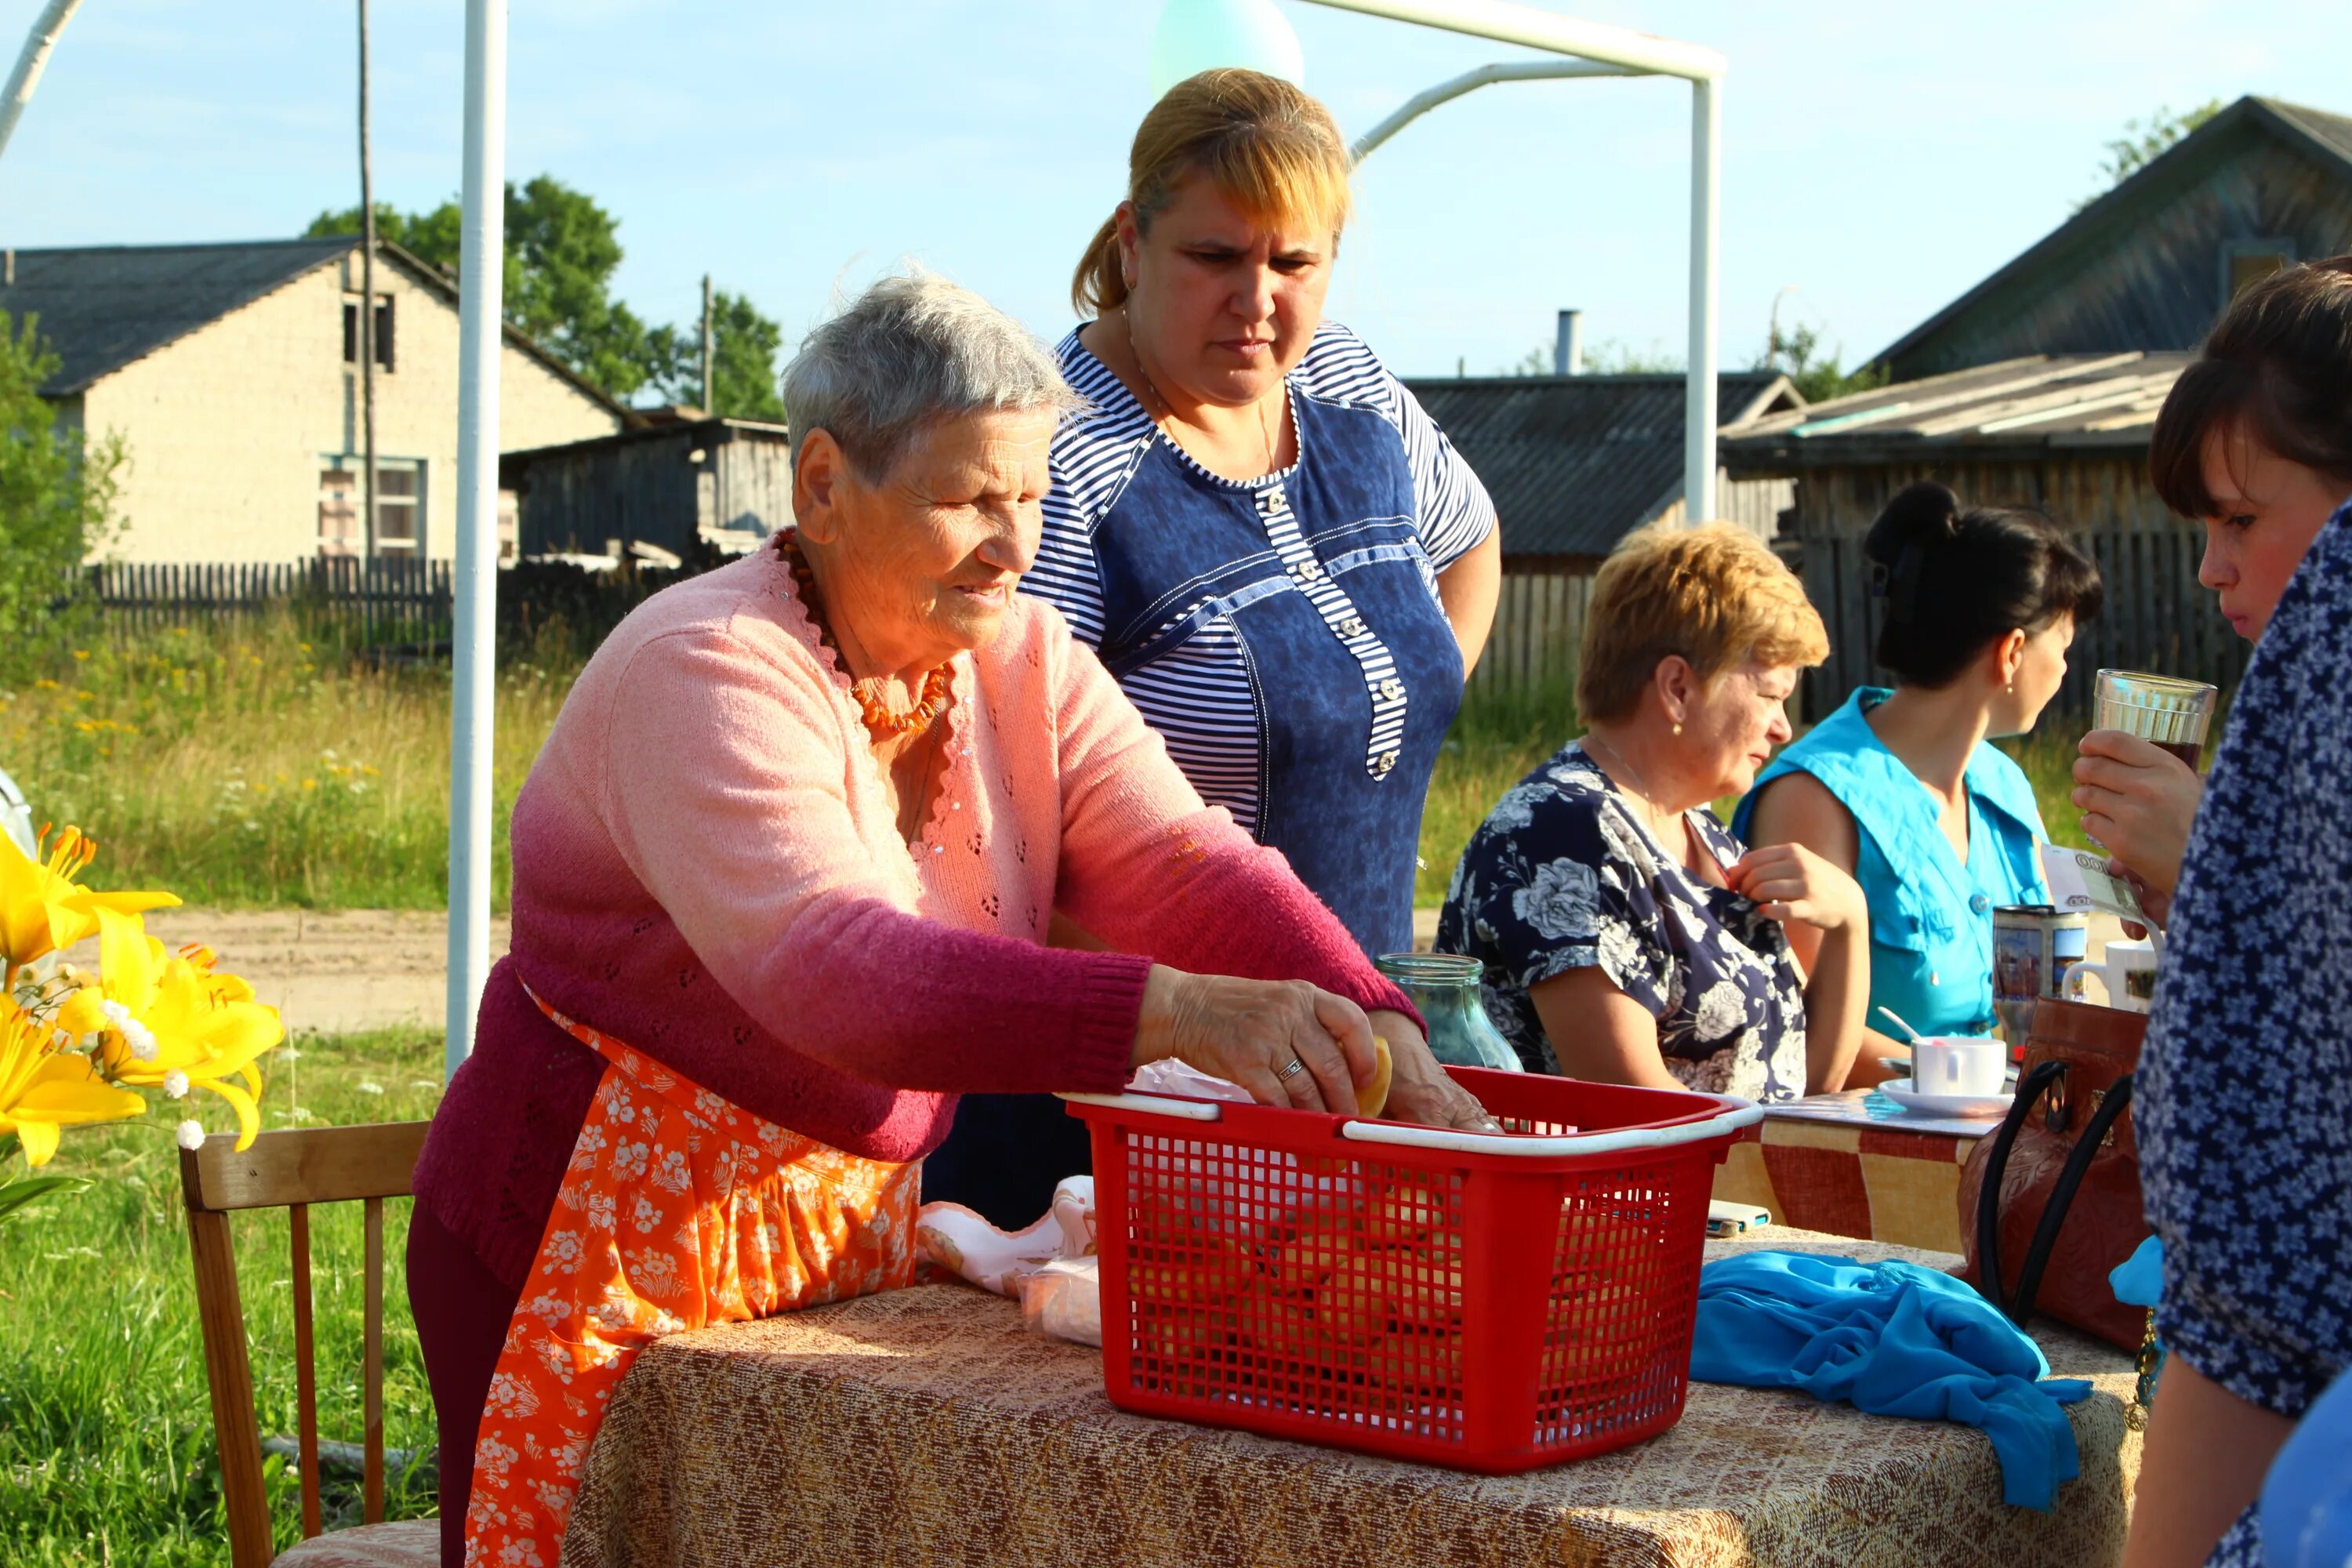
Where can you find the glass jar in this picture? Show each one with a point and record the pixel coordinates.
(1444, 986)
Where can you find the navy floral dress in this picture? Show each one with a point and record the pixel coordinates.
(1562, 876)
(2244, 1103)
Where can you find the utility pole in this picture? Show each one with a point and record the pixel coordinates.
(708, 407)
(367, 306)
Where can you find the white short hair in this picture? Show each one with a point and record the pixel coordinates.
(912, 351)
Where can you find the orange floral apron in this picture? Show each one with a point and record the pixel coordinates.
(678, 1210)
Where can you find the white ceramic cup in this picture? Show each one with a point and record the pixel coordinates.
(2127, 970)
(1958, 1064)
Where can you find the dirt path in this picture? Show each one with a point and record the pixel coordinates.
(368, 969)
(353, 968)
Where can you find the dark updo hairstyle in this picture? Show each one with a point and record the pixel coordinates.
(1953, 581)
(2278, 366)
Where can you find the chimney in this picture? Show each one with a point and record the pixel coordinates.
(10, 269)
(1568, 350)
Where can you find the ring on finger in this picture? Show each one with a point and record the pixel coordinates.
(1298, 1065)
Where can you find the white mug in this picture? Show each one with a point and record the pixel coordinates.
(1958, 1064)
(2128, 972)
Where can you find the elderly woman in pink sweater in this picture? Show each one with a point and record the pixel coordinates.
(784, 877)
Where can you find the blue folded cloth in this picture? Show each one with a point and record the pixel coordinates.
(1892, 1338)
(2138, 1280)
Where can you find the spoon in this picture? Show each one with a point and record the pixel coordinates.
(1897, 1019)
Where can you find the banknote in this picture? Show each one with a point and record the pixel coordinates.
(2079, 880)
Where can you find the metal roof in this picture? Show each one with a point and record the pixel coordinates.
(1575, 463)
(2327, 138)
(2019, 408)
(102, 306)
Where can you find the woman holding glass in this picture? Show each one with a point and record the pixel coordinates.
(2255, 441)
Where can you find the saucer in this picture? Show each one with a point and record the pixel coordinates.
(1900, 1091)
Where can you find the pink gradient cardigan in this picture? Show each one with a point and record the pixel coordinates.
(707, 867)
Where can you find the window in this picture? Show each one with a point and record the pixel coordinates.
(383, 357)
(399, 508)
(2246, 262)
(399, 511)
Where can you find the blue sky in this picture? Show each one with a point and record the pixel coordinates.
(1880, 158)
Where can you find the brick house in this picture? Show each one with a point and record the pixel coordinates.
(231, 373)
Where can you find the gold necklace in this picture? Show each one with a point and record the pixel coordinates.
(1641, 790)
(1265, 416)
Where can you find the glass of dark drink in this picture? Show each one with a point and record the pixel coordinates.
(2168, 713)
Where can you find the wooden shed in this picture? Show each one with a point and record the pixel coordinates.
(683, 487)
(1574, 463)
(2150, 264)
(2066, 434)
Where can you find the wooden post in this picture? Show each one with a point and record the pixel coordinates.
(371, 1370)
(306, 1368)
(229, 1375)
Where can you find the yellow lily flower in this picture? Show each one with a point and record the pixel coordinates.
(43, 910)
(43, 1088)
(170, 1023)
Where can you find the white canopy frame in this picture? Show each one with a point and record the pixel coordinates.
(1605, 50)
(1594, 49)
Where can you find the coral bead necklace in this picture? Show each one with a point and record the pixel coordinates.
(879, 717)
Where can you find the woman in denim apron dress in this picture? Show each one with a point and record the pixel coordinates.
(1275, 552)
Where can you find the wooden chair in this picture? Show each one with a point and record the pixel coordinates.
(294, 1170)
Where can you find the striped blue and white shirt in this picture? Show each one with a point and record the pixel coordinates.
(1182, 642)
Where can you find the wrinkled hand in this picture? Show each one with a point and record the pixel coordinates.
(2137, 800)
(1247, 1031)
(1789, 882)
(1419, 1089)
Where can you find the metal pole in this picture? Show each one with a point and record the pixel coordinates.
(1699, 458)
(1511, 24)
(481, 272)
(708, 407)
(38, 43)
(1421, 102)
(367, 312)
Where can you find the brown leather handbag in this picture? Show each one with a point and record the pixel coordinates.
(2050, 1203)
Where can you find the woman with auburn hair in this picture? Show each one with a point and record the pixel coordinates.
(1281, 559)
(2255, 442)
(1627, 937)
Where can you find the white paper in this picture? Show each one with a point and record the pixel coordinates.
(2079, 882)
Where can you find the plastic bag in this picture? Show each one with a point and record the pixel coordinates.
(1063, 1300)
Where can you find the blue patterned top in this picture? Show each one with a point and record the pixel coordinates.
(1561, 876)
(2244, 1103)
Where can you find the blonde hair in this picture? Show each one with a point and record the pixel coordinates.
(1266, 146)
(1713, 594)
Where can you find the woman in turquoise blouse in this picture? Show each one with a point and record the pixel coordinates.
(1898, 786)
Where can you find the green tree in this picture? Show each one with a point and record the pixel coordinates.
(57, 501)
(2144, 141)
(1817, 376)
(561, 251)
(744, 348)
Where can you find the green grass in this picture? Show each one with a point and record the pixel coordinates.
(240, 765)
(105, 1440)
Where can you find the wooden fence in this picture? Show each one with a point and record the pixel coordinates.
(2157, 617)
(1538, 622)
(374, 602)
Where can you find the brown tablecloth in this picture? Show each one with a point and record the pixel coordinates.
(927, 1427)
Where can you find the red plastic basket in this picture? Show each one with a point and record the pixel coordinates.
(1483, 1301)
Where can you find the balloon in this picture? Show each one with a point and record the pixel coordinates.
(1194, 36)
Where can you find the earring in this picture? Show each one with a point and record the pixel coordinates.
(1678, 727)
(2012, 686)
